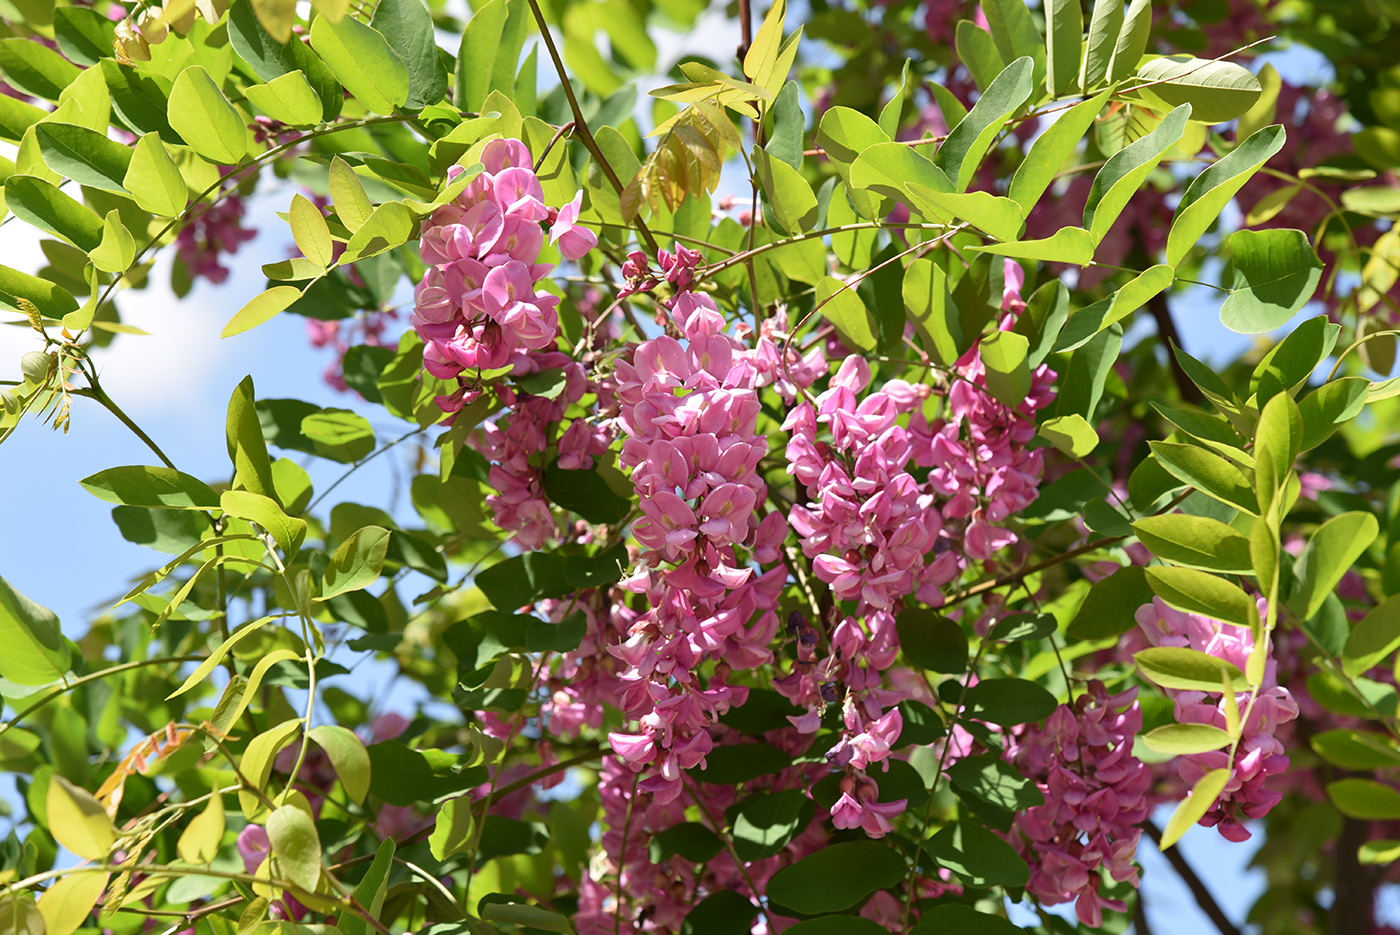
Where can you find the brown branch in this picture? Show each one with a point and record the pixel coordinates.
(585, 134)
(1198, 889)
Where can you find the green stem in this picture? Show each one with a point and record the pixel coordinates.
(93, 677)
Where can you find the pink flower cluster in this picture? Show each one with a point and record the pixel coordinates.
(1081, 759)
(869, 523)
(1259, 754)
(514, 442)
(216, 230)
(477, 304)
(978, 453)
(689, 410)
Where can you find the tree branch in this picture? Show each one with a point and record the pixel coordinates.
(1198, 889)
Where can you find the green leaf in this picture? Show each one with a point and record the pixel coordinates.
(1105, 26)
(888, 169)
(585, 492)
(78, 821)
(287, 531)
(1132, 40)
(277, 17)
(486, 59)
(1109, 607)
(1195, 805)
(843, 308)
(363, 61)
(993, 780)
(1207, 472)
(246, 447)
(117, 251)
(1216, 90)
(339, 434)
(159, 487)
(1331, 551)
(1071, 434)
(1008, 375)
(35, 68)
(1008, 701)
(1365, 799)
(1066, 245)
(1186, 739)
(1187, 669)
(452, 831)
(43, 205)
(200, 113)
(83, 155)
(199, 842)
(690, 839)
(963, 919)
(726, 912)
(1196, 541)
(1355, 749)
(1200, 592)
(262, 307)
(370, 891)
(962, 152)
(931, 641)
(1211, 191)
(999, 217)
(978, 856)
(270, 59)
(1064, 42)
(65, 905)
(153, 178)
(1373, 639)
(1273, 274)
(348, 195)
(35, 651)
(388, 226)
(84, 35)
(834, 925)
(836, 877)
(296, 845)
(1125, 171)
(16, 117)
(408, 28)
(790, 196)
(288, 98)
(357, 563)
(978, 51)
(764, 823)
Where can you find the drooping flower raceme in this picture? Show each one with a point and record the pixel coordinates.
(1081, 759)
(477, 303)
(1259, 754)
(689, 411)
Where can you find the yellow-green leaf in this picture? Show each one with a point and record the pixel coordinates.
(349, 757)
(200, 113)
(1195, 805)
(199, 842)
(256, 763)
(154, 180)
(78, 821)
(288, 98)
(118, 248)
(348, 195)
(296, 845)
(67, 904)
(261, 308)
(309, 230)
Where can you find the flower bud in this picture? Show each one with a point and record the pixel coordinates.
(36, 367)
(11, 401)
(151, 26)
(130, 45)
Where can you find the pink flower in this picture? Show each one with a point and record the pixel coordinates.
(574, 240)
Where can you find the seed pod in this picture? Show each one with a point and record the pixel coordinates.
(179, 15)
(11, 401)
(211, 10)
